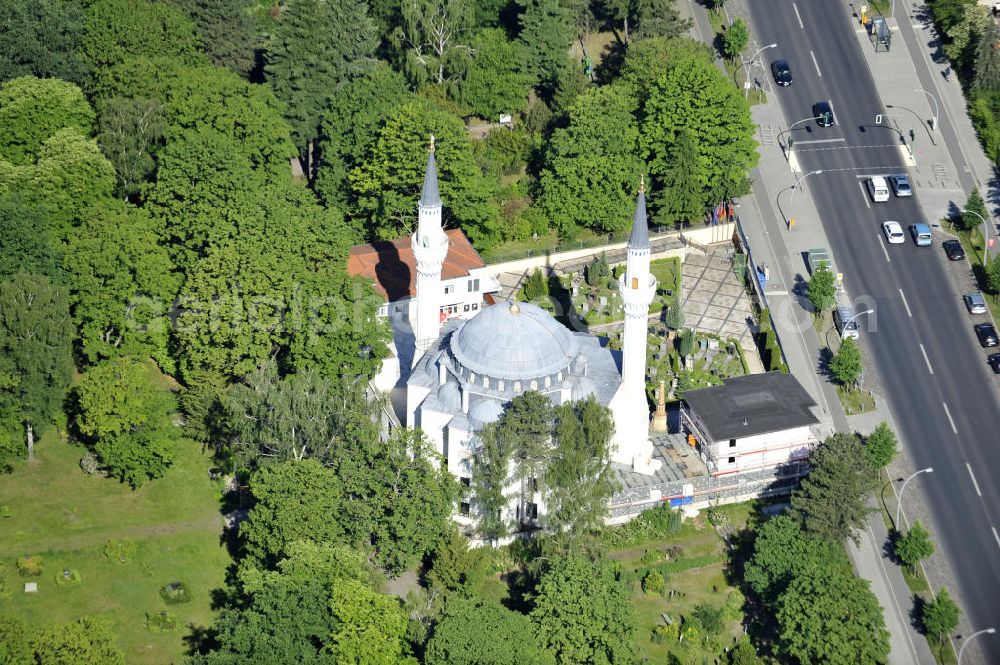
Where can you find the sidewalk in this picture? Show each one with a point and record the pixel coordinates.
(783, 252)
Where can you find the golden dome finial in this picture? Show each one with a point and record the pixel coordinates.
(642, 183)
(432, 143)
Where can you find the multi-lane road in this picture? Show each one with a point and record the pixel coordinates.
(943, 398)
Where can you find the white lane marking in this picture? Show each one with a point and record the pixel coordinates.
(907, 306)
(951, 421)
(833, 110)
(797, 16)
(995, 536)
(882, 244)
(929, 368)
(974, 483)
(864, 194)
(840, 140)
(816, 64)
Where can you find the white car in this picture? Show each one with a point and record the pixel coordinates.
(893, 233)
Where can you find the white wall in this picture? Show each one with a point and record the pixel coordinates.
(761, 450)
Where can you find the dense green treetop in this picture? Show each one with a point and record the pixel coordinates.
(497, 79)
(314, 46)
(546, 30)
(86, 641)
(128, 417)
(369, 628)
(647, 59)
(33, 109)
(880, 446)
(940, 616)
(583, 614)
(27, 242)
(694, 96)
(387, 183)
(433, 40)
(831, 619)
(40, 38)
(593, 165)
(782, 551)
(227, 29)
(480, 632)
(117, 30)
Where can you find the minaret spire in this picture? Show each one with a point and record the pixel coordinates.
(637, 286)
(430, 246)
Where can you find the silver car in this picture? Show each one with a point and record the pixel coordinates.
(901, 185)
(975, 303)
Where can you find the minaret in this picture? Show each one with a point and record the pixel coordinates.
(631, 413)
(430, 246)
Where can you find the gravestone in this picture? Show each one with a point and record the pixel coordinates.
(689, 363)
(31, 587)
(713, 344)
(604, 301)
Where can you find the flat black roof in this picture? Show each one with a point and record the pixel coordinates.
(753, 404)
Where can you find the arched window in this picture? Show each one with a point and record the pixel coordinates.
(500, 385)
(534, 385)
(548, 382)
(635, 282)
(517, 387)
(486, 382)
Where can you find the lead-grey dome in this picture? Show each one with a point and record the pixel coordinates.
(514, 341)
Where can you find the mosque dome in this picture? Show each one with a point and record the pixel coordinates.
(450, 396)
(486, 411)
(514, 341)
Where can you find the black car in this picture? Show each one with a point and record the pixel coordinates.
(823, 113)
(994, 361)
(986, 333)
(953, 249)
(782, 72)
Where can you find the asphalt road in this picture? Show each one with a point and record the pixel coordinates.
(943, 398)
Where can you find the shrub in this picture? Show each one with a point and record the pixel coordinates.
(5, 588)
(647, 526)
(120, 550)
(666, 633)
(709, 618)
(175, 593)
(69, 577)
(30, 566)
(653, 583)
(161, 622)
(733, 610)
(649, 557)
(5, 512)
(89, 463)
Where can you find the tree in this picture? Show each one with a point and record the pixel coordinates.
(491, 456)
(455, 569)
(35, 353)
(119, 30)
(15, 642)
(986, 69)
(40, 39)
(993, 275)
(129, 419)
(129, 132)
(122, 283)
(294, 501)
(583, 614)
(433, 40)
(590, 181)
(546, 30)
(526, 424)
(833, 619)
(831, 501)
(479, 632)
(387, 183)
(846, 364)
(535, 287)
(675, 315)
(205, 417)
(647, 59)
(26, 239)
(227, 30)
(579, 479)
(370, 628)
(86, 641)
(693, 95)
(744, 653)
(658, 18)
(497, 79)
(974, 205)
(316, 45)
(821, 290)
(880, 446)
(940, 616)
(781, 552)
(685, 345)
(736, 39)
(598, 271)
(33, 109)
(682, 199)
(915, 546)
(350, 124)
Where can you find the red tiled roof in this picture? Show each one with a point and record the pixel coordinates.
(391, 266)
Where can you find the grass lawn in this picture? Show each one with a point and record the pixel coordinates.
(855, 401)
(704, 583)
(66, 516)
(667, 273)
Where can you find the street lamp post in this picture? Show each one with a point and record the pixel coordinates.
(748, 64)
(987, 631)
(797, 185)
(934, 120)
(789, 130)
(986, 232)
(900, 498)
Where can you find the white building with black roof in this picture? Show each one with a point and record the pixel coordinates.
(750, 423)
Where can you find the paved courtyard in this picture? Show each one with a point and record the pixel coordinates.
(714, 300)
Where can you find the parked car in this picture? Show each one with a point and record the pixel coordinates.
(893, 232)
(823, 113)
(901, 185)
(782, 72)
(986, 333)
(921, 235)
(878, 188)
(953, 250)
(994, 361)
(975, 303)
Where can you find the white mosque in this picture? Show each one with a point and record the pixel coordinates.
(465, 371)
